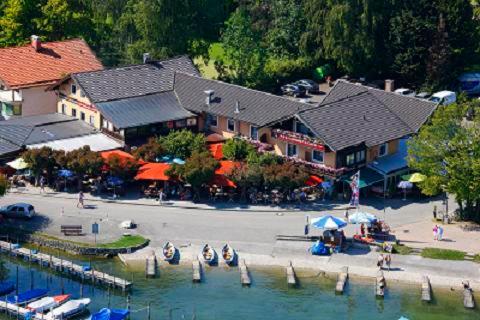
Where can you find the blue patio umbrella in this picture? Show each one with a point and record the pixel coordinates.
(114, 181)
(178, 161)
(326, 184)
(362, 217)
(328, 222)
(65, 173)
(167, 159)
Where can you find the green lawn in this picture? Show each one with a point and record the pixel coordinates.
(124, 241)
(401, 249)
(215, 53)
(444, 254)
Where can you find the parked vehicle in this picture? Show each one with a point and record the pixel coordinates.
(18, 210)
(293, 90)
(423, 95)
(470, 83)
(405, 92)
(444, 97)
(309, 85)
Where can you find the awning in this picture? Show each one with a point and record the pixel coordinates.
(97, 142)
(367, 177)
(313, 180)
(153, 171)
(216, 150)
(393, 162)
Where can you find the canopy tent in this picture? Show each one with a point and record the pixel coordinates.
(328, 222)
(153, 171)
(362, 217)
(18, 164)
(313, 181)
(216, 149)
(368, 177)
(414, 178)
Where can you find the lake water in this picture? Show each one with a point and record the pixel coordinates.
(173, 295)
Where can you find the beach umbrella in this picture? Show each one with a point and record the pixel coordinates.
(326, 184)
(18, 164)
(405, 185)
(65, 173)
(114, 181)
(178, 161)
(414, 178)
(328, 222)
(362, 217)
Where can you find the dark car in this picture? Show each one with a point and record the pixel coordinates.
(18, 210)
(293, 90)
(309, 85)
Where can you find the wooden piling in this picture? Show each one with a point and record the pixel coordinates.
(197, 270)
(244, 275)
(291, 276)
(468, 300)
(341, 280)
(380, 285)
(426, 289)
(151, 266)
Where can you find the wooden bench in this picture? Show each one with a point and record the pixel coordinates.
(71, 230)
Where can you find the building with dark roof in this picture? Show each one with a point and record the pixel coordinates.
(26, 71)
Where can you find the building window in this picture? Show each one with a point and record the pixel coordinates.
(64, 108)
(181, 123)
(292, 150)
(213, 120)
(318, 156)
(92, 120)
(383, 150)
(74, 112)
(231, 125)
(254, 132)
(105, 124)
(350, 159)
(82, 116)
(191, 122)
(74, 89)
(360, 156)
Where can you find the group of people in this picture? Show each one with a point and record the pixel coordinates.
(437, 233)
(384, 259)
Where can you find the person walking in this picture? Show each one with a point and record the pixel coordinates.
(435, 232)
(160, 197)
(440, 233)
(42, 184)
(80, 200)
(388, 261)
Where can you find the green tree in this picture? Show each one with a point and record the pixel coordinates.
(183, 143)
(121, 167)
(40, 160)
(83, 161)
(16, 21)
(287, 175)
(246, 176)
(149, 151)
(236, 149)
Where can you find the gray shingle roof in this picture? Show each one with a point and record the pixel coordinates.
(133, 81)
(7, 147)
(143, 110)
(256, 107)
(57, 131)
(38, 119)
(353, 114)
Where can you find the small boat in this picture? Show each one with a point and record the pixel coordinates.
(110, 314)
(27, 296)
(6, 287)
(228, 254)
(48, 303)
(169, 251)
(69, 309)
(209, 254)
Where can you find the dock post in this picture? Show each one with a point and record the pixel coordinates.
(291, 276)
(380, 285)
(468, 300)
(148, 311)
(128, 303)
(244, 275)
(341, 280)
(197, 271)
(426, 289)
(151, 266)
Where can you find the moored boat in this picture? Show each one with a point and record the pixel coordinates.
(110, 314)
(228, 254)
(169, 251)
(48, 303)
(69, 309)
(209, 254)
(6, 287)
(27, 296)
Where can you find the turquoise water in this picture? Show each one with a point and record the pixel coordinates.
(173, 295)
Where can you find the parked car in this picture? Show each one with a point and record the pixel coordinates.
(18, 210)
(444, 97)
(405, 92)
(309, 85)
(293, 90)
(423, 95)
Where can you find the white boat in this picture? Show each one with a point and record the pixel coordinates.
(48, 303)
(209, 254)
(228, 254)
(69, 309)
(169, 251)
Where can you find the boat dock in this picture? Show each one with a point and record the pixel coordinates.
(244, 275)
(151, 266)
(426, 289)
(19, 312)
(64, 266)
(291, 276)
(197, 270)
(341, 280)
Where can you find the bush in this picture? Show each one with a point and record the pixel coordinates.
(182, 144)
(150, 151)
(236, 149)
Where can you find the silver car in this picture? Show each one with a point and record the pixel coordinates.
(18, 210)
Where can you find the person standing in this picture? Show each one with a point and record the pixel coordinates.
(388, 260)
(42, 184)
(440, 233)
(362, 230)
(80, 200)
(160, 197)
(380, 261)
(435, 232)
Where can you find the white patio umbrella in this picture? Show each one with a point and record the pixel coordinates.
(362, 217)
(405, 185)
(18, 164)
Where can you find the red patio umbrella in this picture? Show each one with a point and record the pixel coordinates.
(153, 171)
(313, 180)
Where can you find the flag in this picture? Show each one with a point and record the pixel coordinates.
(355, 185)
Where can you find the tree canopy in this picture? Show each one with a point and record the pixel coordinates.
(181, 144)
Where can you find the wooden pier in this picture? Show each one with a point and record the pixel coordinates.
(197, 270)
(291, 276)
(244, 275)
(380, 285)
(468, 300)
(151, 266)
(426, 289)
(64, 266)
(341, 280)
(19, 312)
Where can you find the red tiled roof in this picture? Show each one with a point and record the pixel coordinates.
(22, 67)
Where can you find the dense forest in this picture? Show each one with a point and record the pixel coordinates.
(262, 43)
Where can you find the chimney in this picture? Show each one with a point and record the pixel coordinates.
(208, 98)
(146, 57)
(389, 85)
(36, 43)
(237, 107)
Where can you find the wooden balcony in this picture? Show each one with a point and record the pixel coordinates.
(298, 139)
(318, 168)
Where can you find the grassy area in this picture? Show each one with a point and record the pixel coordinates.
(215, 53)
(444, 254)
(124, 241)
(402, 249)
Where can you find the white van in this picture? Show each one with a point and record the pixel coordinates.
(444, 97)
